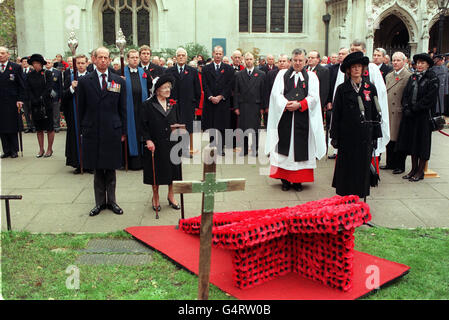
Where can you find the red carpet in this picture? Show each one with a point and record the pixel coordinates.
(184, 249)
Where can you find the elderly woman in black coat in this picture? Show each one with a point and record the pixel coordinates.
(39, 83)
(157, 115)
(355, 128)
(418, 100)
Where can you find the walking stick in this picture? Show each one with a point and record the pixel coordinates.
(121, 44)
(20, 133)
(173, 128)
(73, 44)
(154, 181)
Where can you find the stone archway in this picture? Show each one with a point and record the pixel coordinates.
(434, 34)
(392, 35)
(395, 17)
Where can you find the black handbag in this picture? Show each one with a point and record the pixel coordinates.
(437, 122)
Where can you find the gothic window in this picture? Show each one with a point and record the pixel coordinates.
(275, 16)
(133, 16)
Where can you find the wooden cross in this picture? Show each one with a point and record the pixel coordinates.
(208, 187)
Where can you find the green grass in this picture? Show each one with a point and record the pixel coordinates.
(30, 270)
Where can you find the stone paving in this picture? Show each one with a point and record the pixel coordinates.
(55, 200)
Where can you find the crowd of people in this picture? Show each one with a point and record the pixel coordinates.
(119, 116)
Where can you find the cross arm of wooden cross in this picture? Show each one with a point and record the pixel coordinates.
(209, 187)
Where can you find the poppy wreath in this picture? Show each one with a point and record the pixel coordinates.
(314, 240)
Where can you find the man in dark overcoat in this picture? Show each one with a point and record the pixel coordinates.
(217, 84)
(102, 108)
(72, 143)
(186, 91)
(12, 96)
(249, 102)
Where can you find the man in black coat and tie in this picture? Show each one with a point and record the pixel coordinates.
(249, 102)
(26, 68)
(270, 65)
(217, 84)
(102, 108)
(12, 95)
(152, 70)
(283, 63)
(322, 74)
(378, 59)
(186, 91)
(68, 104)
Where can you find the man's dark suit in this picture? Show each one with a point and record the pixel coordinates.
(265, 68)
(249, 100)
(12, 89)
(103, 123)
(215, 83)
(333, 73)
(153, 71)
(384, 70)
(187, 93)
(323, 75)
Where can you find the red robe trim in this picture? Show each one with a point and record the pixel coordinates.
(298, 176)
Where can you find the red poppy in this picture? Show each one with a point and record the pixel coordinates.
(397, 78)
(366, 74)
(185, 72)
(144, 75)
(172, 102)
(10, 68)
(42, 72)
(414, 78)
(303, 85)
(222, 71)
(151, 70)
(256, 74)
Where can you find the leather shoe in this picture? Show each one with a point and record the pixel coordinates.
(115, 208)
(174, 206)
(96, 210)
(14, 155)
(398, 171)
(5, 155)
(332, 156)
(297, 187)
(385, 167)
(285, 186)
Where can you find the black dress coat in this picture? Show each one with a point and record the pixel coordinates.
(187, 93)
(71, 149)
(102, 120)
(323, 75)
(269, 82)
(249, 97)
(384, 70)
(354, 139)
(40, 85)
(217, 83)
(12, 89)
(155, 124)
(415, 133)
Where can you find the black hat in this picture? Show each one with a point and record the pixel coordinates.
(163, 79)
(439, 56)
(424, 57)
(201, 63)
(354, 58)
(24, 58)
(38, 58)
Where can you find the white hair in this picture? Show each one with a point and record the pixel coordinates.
(181, 50)
(400, 55)
(381, 50)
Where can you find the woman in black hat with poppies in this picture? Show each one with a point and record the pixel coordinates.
(157, 115)
(355, 128)
(39, 83)
(418, 100)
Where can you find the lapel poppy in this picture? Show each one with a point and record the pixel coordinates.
(366, 74)
(367, 93)
(151, 70)
(256, 74)
(185, 72)
(366, 85)
(144, 75)
(397, 79)
(10, 68)
(172, 102)
(222, 71)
